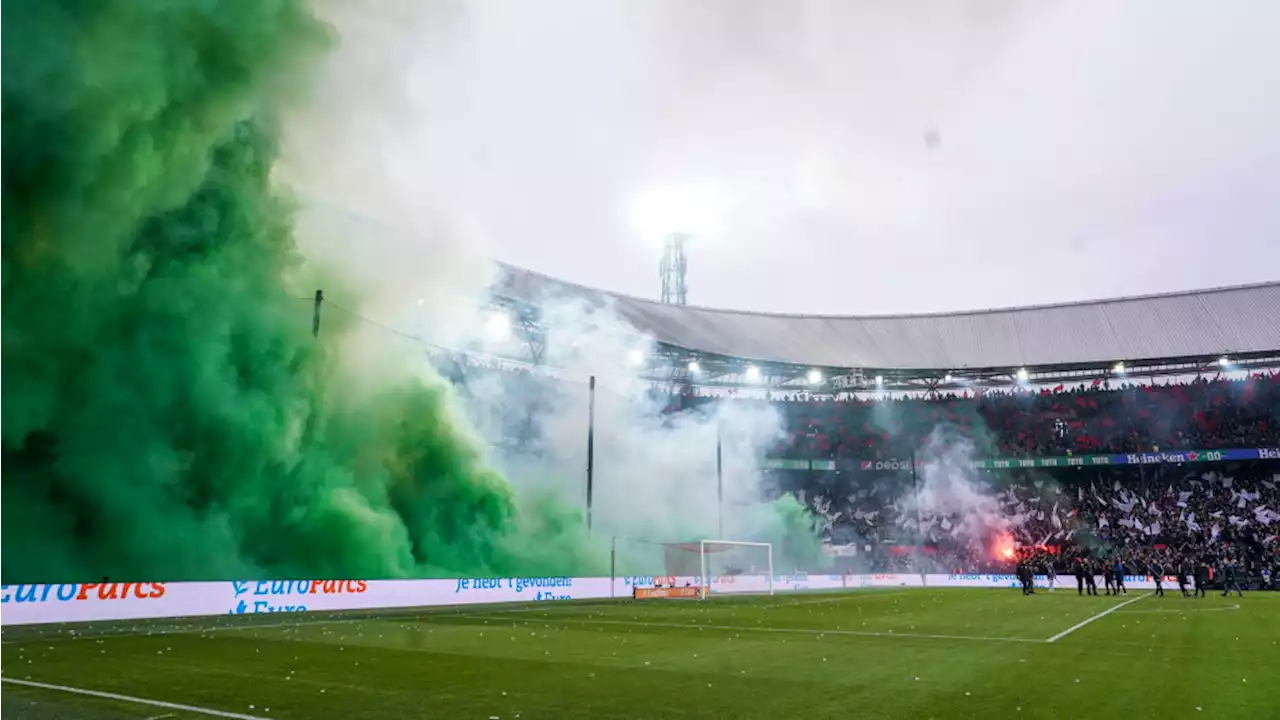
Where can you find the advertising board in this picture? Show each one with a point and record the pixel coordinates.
(665, 593)
(81, 602)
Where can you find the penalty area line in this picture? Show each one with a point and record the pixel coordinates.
(1099, 616)
(135, 700)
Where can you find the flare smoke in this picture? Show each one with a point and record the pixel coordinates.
(950, 491)
(168, 413)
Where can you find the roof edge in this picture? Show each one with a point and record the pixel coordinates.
(898, 316)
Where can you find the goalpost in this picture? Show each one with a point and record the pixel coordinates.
(729, 566)
(722, 566)
(698, 569)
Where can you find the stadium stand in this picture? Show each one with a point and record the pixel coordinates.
(1203, 414)
(1177, 469)
(1177, 512)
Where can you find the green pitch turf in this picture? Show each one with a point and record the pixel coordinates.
(864, 654)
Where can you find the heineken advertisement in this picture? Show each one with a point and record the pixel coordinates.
(1147, 458)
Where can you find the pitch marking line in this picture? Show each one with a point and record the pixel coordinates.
(1183, 611)
(759, 628)
(854, 596)
(156, 631)
(409, 614)
(1099, 616)
(135, 700)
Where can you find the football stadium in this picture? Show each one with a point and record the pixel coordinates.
(268, 454)
(1121, 457)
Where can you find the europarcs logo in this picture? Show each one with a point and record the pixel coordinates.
(71, 592)
(273, 596)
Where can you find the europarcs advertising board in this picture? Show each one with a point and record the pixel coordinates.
(85, 602)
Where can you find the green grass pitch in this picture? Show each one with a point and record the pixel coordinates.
(867, 654)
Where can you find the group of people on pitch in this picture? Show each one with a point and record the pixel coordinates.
(1087, 571)
(1225, 570)
(1202, 573)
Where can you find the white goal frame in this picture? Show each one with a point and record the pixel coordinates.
(704, 587)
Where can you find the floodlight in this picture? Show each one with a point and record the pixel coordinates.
(637, 357)
(815, 377)
(1118, 369)
(695, 208)
(1224, 361)
(753, 373)
(1022, 375)
(498, 328)
(879, 379)
(947, 378)
(693, 367)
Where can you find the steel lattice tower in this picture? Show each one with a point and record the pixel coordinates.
(673, 268)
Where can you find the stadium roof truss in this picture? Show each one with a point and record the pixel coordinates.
(1183, 334)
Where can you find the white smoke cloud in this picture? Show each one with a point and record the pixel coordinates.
(362, 156)
(655, 474)
(950, 489)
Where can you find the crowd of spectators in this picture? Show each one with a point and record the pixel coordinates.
(1204, 414)
(1159, 516)
(1099, 419)
(1176, 517)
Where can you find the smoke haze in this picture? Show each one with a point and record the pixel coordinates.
(388, 97)
(1082, 149)
(168, 413)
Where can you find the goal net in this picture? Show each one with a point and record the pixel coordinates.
(722, 566)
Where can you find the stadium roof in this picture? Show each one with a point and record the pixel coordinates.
(1236, 321)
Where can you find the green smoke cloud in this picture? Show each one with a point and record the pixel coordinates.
(166, 412)
(793, 530)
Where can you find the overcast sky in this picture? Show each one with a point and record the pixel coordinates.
(1084, 148)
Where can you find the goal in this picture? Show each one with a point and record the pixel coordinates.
(723, 567)
(696, 568)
